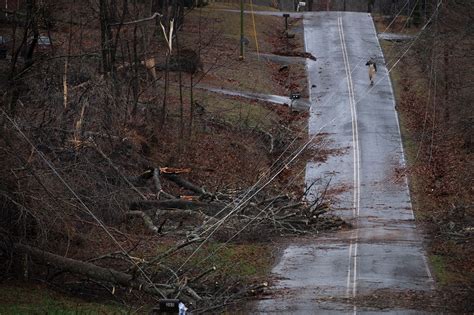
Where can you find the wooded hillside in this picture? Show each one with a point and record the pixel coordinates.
(123, 176)
(433, 77)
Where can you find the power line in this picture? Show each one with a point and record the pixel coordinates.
(289, 160)
(63, 181)
(396, 16)
(294, 139)
(303, 146)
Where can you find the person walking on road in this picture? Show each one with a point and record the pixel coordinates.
(372, 70)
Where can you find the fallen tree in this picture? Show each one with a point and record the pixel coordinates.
(261, 211)
(139, 280)
(89, 270)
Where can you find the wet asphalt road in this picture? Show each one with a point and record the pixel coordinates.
(384, 250)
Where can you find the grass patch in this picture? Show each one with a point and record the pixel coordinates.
(242, 260)
(247, 262)
(236, 6)
(237, 112)
(440, 266)
(220, 48)
(36, 299)
(228, 24)
(249, 75)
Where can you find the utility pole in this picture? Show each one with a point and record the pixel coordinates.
(241, 57)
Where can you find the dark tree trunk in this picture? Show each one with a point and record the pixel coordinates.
(86, 269)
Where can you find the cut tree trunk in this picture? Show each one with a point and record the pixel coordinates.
(208, 208)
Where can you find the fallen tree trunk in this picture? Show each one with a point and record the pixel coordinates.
(179, 214)
(208, 208)
(186, 184)
(302, 54)
(87, 269)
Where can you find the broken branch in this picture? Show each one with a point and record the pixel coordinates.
(146, 219)
(159, 189)
(186, 184)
